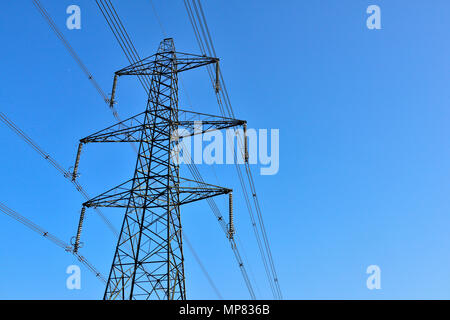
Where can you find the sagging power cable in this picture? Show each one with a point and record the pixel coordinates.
(60, 243)
(198, 21)
(75, 56)
(46, 156)
(69, 48)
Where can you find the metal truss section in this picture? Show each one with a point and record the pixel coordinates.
(154, 65)
(129, 130)
(189, 191)
(148, 261)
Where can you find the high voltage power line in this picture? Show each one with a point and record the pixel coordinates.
(54, 163)
(203, 36)
(202, 267)
(69, 48)
(60, 243)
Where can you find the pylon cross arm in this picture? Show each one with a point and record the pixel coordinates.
(125, 131)
(153, 197)
(152, 66)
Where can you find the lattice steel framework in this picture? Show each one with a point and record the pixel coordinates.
(148, 262)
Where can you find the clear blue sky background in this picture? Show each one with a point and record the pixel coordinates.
(363, 118)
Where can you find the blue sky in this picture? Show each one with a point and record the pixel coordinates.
(364, 143)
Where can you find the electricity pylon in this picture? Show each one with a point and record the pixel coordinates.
(148, 262)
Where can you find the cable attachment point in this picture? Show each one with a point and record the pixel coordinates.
(113, 92)
(77, 162)
(72, 242)
(217, 85)
(245, 143)
(76, 244)
(231, 230)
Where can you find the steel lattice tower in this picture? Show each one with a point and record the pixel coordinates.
(148, 261)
